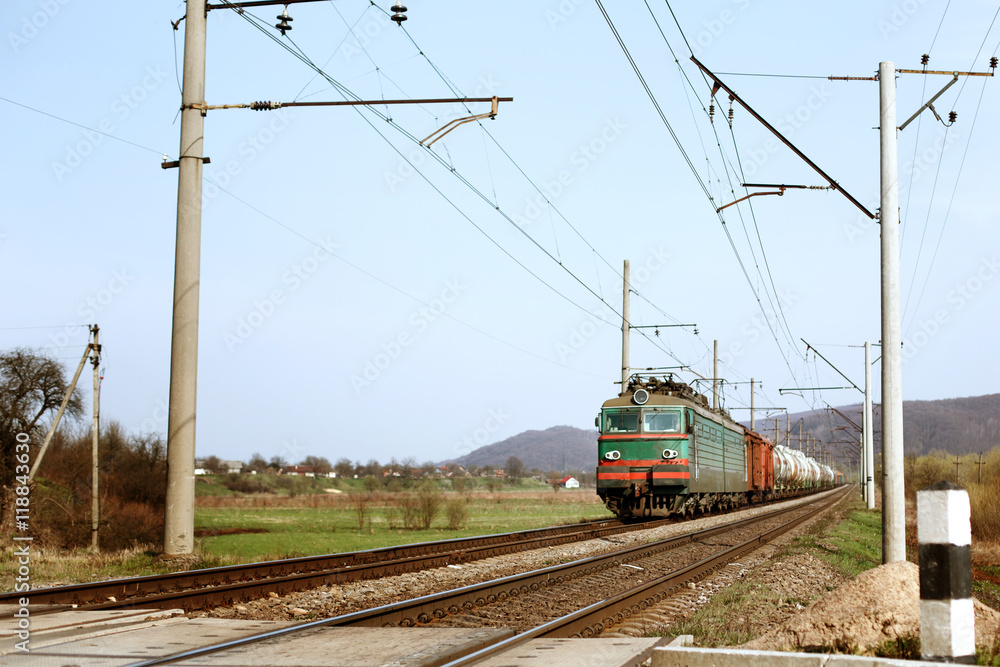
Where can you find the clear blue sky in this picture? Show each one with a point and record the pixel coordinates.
(349, 305)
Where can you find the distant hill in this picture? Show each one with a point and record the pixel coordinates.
(557, 448)
(954, 425)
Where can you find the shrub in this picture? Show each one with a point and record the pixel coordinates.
(361, 502)
(928, 470)
(428, 503)
(295, 484)
(126, 525)
(243, 483)
(457, 511)
(406, 505)
(132, 489)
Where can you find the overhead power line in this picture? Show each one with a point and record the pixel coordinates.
(348, 94)
(694, 171)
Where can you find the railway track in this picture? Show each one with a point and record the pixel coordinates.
(211, 587)
(731, 541)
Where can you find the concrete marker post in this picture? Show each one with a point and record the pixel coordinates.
(947, 614)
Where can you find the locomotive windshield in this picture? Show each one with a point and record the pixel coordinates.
(661, 421)
(625, 421)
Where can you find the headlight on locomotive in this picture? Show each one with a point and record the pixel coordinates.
(613, 455)
(669, 454)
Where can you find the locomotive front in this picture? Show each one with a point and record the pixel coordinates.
(643, 450)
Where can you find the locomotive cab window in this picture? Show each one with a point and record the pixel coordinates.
(660, 421)
(625, 421)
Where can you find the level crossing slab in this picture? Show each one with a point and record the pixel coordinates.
(595, 652)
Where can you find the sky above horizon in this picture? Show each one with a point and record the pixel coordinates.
(365, 297)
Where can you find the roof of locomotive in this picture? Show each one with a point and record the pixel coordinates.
(667, 392)
(625, 400)
(661, 392)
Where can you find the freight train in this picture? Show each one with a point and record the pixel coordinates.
(662, 450)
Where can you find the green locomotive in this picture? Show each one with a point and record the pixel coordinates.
(663, 450)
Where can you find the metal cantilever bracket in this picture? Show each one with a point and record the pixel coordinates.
(177, 163)
(781, 191)
(930, 105)
(448, 127)
(752, 194)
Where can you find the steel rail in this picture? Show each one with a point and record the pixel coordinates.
(339, 568)
(252, 590)
(426, 608)
(231, 584)
(594, 619)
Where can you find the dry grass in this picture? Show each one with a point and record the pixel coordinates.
(985, 501)
(379, 498)
(984, 496)
(53, 566)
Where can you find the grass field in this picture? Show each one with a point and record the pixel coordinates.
(308, 530)
(308, 525)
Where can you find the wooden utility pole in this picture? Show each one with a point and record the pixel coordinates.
(957, 463)
(979, 479)
(95, 504)
(59, 414)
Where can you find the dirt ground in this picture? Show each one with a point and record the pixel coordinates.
(880, 605)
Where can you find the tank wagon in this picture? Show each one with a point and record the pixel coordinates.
(662, 450)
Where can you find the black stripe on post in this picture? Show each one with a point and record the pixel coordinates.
(944, 572)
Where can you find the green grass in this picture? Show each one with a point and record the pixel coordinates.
(719, 623)
(317, 530)
(986, 590)
(328, 526)
(851, 545)
(208, 486)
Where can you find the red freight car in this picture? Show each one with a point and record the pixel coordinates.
(760, 467)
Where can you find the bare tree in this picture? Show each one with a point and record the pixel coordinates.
(515, 469)
(407, 467)
(361, 502)
(554, 479)
(343, 467)
(213, 465)
(373, 469)
(32, 385)
(320, 464)
(257, 463)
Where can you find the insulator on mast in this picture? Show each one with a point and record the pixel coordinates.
(399, 13)
(283, 19)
